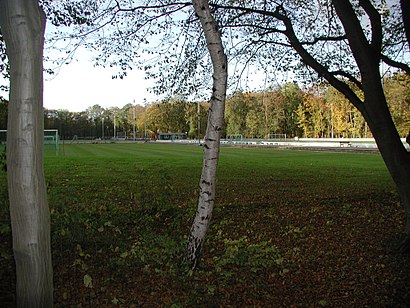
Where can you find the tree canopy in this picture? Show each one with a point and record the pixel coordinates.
(276, 38)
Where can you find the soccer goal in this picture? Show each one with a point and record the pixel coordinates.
(3, 136)
(234, 137)
(51, 140)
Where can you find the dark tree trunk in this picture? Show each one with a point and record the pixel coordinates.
(394, 154)
(374, 107)
(405, 9)
(22, 24)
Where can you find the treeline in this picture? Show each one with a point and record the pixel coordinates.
(317, 112)
(320, 112)
(98, 123)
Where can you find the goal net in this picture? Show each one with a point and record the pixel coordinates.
(234, 137)
(3, 136)
(51, 140)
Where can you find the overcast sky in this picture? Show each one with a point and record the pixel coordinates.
(79, 85)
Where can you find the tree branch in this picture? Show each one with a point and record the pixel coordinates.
(307, 58)
(376, 23)
(396, 64)
(365, 57)
(405, 10)
(325, 39)
(265, 42)
(348, 76)
(152, 7)
(320, 68)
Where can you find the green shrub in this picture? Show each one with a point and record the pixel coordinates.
(241, 253)
(3, 160)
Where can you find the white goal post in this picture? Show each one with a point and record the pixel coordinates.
(3, 136)
(51, 139)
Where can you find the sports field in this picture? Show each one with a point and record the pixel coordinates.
(290, 228)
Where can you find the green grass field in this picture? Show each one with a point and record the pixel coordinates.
(290, 228)
(249, 171)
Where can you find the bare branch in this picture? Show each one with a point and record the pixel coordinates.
(348, 76)
(150, 7)
(394, 63)
(325, 39)
(265, 42)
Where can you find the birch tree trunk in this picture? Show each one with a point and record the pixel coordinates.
(22, 24)
(213, 132)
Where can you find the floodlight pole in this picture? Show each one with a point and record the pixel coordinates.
(102, 128)
(145, 117)
(145, 130)
(199, 122)
(134, 119)
(114, 126)
(331, 119)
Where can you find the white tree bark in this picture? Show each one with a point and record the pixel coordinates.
(212, 137)
(22, 24)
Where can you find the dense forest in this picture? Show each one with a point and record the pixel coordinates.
(318, 111)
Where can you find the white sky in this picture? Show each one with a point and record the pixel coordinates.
(79, 85)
